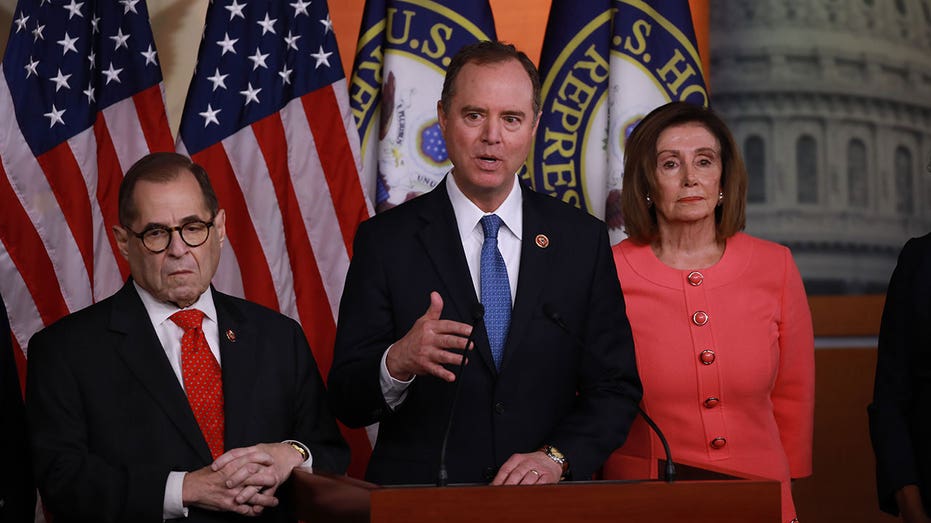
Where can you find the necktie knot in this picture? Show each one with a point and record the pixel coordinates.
(490, 225)
(188, 319)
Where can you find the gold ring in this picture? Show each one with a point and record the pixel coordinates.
(534, 471)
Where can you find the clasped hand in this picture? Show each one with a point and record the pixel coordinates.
(242, 480)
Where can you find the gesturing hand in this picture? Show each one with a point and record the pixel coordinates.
(425, 348)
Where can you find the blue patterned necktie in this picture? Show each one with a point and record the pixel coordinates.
(496, 292)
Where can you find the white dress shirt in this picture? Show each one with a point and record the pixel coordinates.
(468, 219)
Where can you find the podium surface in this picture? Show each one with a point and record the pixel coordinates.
(322, 498)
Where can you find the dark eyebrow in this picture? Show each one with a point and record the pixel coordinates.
(184, 221)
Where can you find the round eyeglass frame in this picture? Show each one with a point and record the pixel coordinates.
(170, 230)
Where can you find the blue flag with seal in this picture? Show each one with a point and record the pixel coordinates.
(403, 50)
(605, 65)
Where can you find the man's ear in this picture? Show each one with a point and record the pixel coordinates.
(441, 117)
(122, 240)
(219, 223)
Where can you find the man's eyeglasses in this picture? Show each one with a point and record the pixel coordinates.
(157, 238)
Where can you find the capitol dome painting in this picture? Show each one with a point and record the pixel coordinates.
(830, 102)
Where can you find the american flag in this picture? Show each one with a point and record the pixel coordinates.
(268, 116)
(81, 98)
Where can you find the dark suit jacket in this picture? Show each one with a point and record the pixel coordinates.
(109, 419)
(900, 415)
(575, 388)
(17, 490)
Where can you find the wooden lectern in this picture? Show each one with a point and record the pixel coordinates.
(325, 498)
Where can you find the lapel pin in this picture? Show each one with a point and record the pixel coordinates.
(230, 335)
(542, 241)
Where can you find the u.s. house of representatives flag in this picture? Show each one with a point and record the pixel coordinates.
(605, 65)
(403, 50)
(81, 98)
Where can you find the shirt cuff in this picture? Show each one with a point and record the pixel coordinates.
(308, 464)
(173, 504)
(394, 390)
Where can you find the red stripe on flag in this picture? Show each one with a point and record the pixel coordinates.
(313, 306)
(65, 178)
(20, 357)
(150, 109)
(326, 124)
(28, 254)
(257, 282)
(109, 176)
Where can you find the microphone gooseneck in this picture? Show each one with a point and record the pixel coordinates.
(478, 314)
(670, 470)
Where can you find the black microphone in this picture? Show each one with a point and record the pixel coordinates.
(478, 314)
(554, 316)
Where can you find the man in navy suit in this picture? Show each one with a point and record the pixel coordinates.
(900, 414)
(551, 386)
(170, 399)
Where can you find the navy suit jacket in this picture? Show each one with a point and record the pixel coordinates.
(575, 387)
(900, 415)
(109, 419)
(17, 490)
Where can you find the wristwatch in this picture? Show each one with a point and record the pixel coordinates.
(554, 454)
(298, 446)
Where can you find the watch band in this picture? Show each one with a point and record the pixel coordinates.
(554, 454)
(298, 446)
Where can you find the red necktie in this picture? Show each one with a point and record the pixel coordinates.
(203, 380)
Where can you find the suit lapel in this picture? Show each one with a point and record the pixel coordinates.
(145, 357)
(240, 357)
(440, 239)
(534, 267)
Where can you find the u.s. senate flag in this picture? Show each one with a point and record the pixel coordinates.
(81, 98)
(267, 115)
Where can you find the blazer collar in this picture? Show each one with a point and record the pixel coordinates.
(439, 237)
(535, 259)
(145, 358)
(240, 354)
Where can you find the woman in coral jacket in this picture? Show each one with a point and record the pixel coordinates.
(720, 319)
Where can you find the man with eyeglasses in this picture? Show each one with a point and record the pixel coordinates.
(170, 399)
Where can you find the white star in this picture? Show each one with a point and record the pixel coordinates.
(236, 10)
(37, 32)
(300, 6)
(68, 44)
(251, 94)
(210, 115)
(90, 94)
(94, 21)
(113, 74)
(55, 116)
(227, 44)
(258, 59)
(218, 79)
(291, 40)
(129, 5)
(92, 58)
(75, 9)
(268, 25)
(321, 57)
(61, 80)
(285, 75)
(327, 24)
(31, 67)
(21, 21)
(120, 39)
(149, 55)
